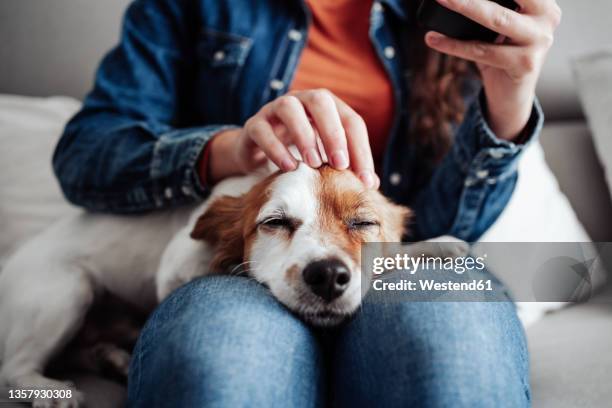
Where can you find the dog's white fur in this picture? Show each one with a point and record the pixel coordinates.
(47, 287)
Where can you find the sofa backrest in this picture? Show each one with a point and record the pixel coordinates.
(586, 27)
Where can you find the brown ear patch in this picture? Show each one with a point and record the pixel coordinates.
(228, 225)
(395, 221)
(222, 227)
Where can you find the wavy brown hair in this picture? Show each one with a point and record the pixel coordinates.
(437, 87)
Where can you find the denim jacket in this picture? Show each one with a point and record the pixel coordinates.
(186, 69)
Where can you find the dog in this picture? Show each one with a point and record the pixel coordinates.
(298, 233)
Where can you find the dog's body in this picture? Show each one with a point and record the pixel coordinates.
(48, 285)
(282, 225)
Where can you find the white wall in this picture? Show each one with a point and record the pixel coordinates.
(50, 47)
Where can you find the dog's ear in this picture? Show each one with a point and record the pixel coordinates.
(221, 226)
(395, 221)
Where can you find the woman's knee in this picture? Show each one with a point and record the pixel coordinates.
(437, 353)
(221, 339)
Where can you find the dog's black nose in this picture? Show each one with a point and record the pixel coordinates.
(327, 278)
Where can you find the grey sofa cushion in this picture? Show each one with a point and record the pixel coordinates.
(569, 151)
(571, 358)
(30, 196)
(594, 78)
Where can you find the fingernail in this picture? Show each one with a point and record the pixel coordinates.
(287, 165)
(434, 38)
(313, 159)
(367, 178)
(339, 160)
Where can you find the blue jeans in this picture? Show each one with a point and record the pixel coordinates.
(226, 342)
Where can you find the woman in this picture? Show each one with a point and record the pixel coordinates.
(200, 90)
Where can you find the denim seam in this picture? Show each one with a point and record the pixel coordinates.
(465, 217)
(225, 35)
(276, 67)
(377, 20)
(138, 384)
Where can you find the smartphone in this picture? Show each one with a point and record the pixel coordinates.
(434, 17)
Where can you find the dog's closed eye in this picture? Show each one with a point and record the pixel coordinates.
(361, 223)
(279, 222)
(358, 223)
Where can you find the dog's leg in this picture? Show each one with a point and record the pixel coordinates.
(102, 358)
(43, 311)
(113, 358)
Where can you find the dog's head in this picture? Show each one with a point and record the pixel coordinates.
(300, 234)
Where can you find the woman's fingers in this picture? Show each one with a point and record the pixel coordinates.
(317, 123)
(261, 133)
(531, 31)
(498, 18)
(470, 50)
(537, 7)
(517, 61)
(323, 110)
(359, 149)
(290, 111)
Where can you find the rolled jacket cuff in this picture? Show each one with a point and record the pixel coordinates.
(175, 164)
(484, 156)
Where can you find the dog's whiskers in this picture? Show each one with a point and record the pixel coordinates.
(241, 268)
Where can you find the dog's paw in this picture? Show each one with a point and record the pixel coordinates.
(111, 358)
(449, 246)
(120, 361)
(76, 400)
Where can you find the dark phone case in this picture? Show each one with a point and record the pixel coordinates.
(433, 16)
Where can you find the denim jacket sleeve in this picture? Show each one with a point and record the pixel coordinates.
(129, 149)
(474, 182)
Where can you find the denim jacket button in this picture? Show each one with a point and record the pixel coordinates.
(294, 35)
(377, 7)
(186, 190)
(395, 179)
(276, 84)
(219, 55)
(496, 154)
(482, 174)
(168, 193)
(389, 52)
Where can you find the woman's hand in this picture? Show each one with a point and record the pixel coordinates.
(311, 120)
(509, 68)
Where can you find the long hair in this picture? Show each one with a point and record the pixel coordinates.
(437, 90)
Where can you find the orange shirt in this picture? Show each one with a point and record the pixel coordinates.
(339, 56)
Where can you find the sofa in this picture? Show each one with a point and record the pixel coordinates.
(49, 54)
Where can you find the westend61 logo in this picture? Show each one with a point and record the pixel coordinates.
(411, 264)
